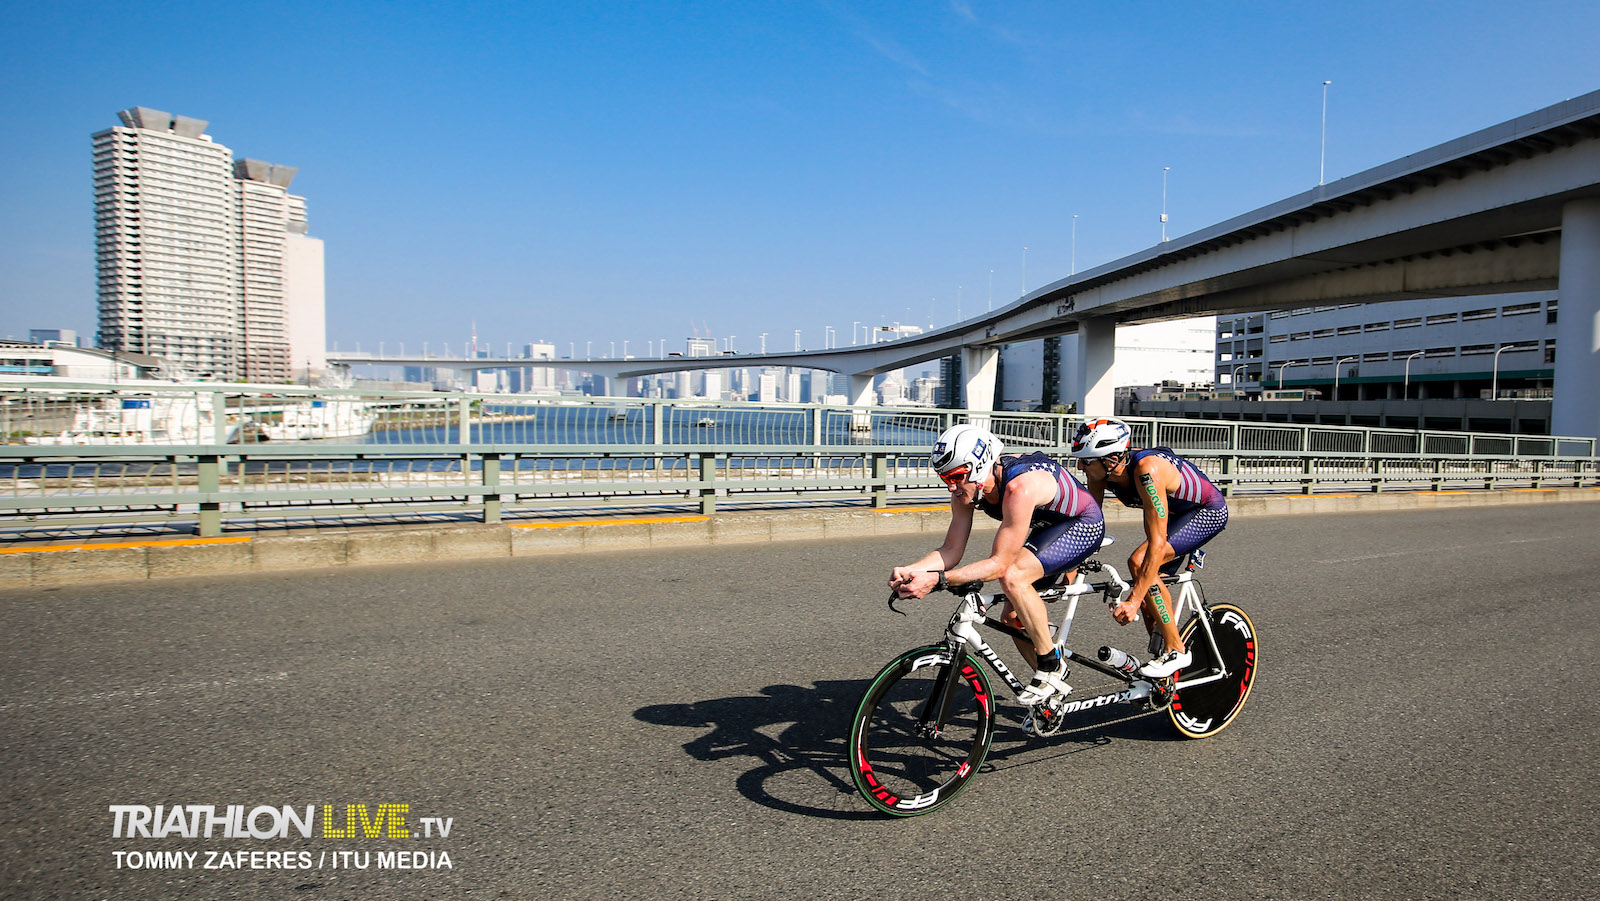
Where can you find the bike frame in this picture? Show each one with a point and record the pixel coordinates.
(962, 636)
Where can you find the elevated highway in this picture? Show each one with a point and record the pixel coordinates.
(1510, 208)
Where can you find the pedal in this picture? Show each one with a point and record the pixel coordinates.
(1047, 717)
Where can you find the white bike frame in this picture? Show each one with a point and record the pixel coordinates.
(973, 612)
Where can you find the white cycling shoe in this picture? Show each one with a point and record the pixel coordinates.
(1045, 685)
(1165, 665)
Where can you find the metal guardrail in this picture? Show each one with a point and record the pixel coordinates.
(528, 454)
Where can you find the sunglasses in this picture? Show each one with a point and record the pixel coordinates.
(955, 477)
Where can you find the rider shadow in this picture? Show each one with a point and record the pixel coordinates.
(789, 728)
(810, 726)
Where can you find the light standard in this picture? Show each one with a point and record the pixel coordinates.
(827, 337)
(1405, 390)
(1494, 381)
(853, 327)
(1322, 167)
(1281, 367)
(1164, 171)
(796, 339)
(1074, 270)
(1235, 380)
(1337, 363)
(1024, 270)
(991, 289)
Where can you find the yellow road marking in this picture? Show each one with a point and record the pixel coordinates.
(173, 542)
(607, 522)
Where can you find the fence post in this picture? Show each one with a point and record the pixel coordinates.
(209, 481)
(465, 414)
(708, 490)
(1538, 473)
(491, 482)
(1308, 474)
(1377, 475)
(1438, 474)
(880, 480)
(1230, 468)
(1488, 479)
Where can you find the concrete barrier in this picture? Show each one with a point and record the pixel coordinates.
(45, 566)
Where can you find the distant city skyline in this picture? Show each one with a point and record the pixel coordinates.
(567, 174)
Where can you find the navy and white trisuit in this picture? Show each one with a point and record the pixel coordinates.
(1065, 530)
(1197, 510)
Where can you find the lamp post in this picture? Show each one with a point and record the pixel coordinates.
(1024, 270)
(1494, 381)
(1281, 367)
(1164, 171)
(1235, 377)
(1405, 389)
(1074, 269)
(1336, 364)
(1322, 166)
(853, 327)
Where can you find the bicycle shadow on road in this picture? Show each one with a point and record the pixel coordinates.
(787, 728)
(793, 730)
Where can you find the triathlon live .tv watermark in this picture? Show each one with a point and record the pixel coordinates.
(327, 824)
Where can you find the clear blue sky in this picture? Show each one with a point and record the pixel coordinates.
(614, 171)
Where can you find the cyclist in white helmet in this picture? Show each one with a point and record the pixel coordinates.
(1160, 482)
(1048, 525)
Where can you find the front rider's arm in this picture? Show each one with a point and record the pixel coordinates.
(921, 577)
(1153, 486)
(1016, 514)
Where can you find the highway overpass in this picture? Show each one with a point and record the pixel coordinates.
(1487, 213)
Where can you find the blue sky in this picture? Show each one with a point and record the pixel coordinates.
(599, 172)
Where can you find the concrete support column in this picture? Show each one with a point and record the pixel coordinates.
(1576, 407)
(861, 389)
(1097, 352)
(980, 366)
(861, 396)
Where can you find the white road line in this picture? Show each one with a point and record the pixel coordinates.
(1439, 550)
(156, 692)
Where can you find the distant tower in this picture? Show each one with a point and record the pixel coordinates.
(202, 260)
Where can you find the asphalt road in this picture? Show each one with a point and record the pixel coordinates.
(672, 725)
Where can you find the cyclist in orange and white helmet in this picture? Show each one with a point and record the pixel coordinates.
(1182, 511)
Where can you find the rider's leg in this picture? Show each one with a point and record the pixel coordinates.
(1163, 618)
(1027, 609)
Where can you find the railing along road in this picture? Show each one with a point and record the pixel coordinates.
(226, 455)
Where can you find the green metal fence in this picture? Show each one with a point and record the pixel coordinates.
(224, 456)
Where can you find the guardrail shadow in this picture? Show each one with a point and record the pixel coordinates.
(792, 729)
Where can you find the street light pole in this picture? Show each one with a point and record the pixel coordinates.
(1322, 166)
(1494, 382)
(1074, 270)
(1164, 171)
(1405, 390)
(1336, 365)
(1024, 270)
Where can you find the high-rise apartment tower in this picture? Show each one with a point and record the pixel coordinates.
(203, 260)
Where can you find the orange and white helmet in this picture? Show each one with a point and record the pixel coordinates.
(1097, 438)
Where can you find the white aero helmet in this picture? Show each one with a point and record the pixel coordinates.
(966, 445)
(1100, 438)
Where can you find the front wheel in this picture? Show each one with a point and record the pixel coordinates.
(1202, 711)
(905, 764)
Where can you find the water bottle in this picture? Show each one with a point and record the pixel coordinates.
(1117, 660)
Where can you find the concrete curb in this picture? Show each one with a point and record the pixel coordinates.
(51, 566)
